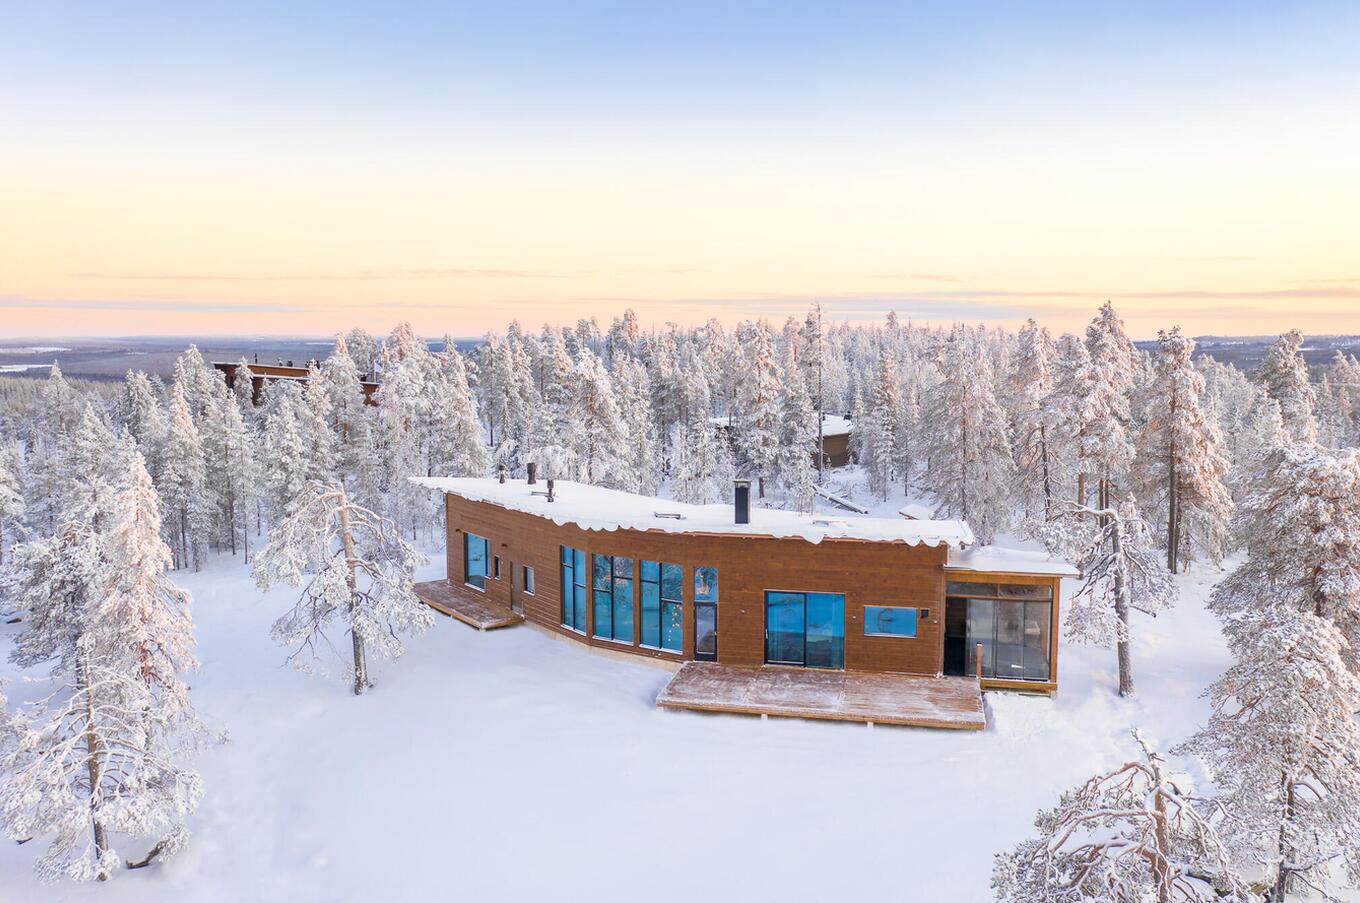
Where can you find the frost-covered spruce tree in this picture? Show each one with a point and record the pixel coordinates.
(1285, 377)
(348, 418)
(198, 381)
(1072, 409)
(1136, 834)
(970, 466)
(184, 485)
(755, 414)
(141, 414)
(314, 417)
(882, 415)
(232, 470)
(243, 387)
(1038, 435)
(1338, 403)
(798, 444)
(1181, 468)
(285, 478)
(597, 438)
(363, 349)
(11, 490)
(1284, 745)
(1121, 572)
(632, 385)
(354, 567)
(55, 417)
(456, 445)
(1106, 447)
(403, 402)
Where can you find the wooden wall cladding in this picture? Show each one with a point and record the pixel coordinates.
(867, 573)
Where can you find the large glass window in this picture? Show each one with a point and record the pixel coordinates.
(661, 605)
(476, 553)
(706, 614)
(882, 620)
(613, 582)
(805, 629)
(574, 589)
(1012, 630)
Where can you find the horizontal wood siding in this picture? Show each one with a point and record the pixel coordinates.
(872, 573)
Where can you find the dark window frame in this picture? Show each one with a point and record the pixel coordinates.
(675, 607)
(529, 580)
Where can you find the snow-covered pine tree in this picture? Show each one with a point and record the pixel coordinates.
(353, 567)
(1121, 572)
(1037, 423)
(199, 382)
(11, 490)
(970, 467)
(349, 418)
(1338, 403)
(1071, 408)
(232, 470)
(456, 445)
(633, 390)
(243, 387)
(184, 485)
(755, 415)
(880, 420)
(56, 415)
(1136, 834)
(1181, 469)
(141, 414)
(1106, 448)
(1284, 745)
(284, 448)
(798, 443)
(1285, 377)
(314, 418)
(597, 438)
(363, 350)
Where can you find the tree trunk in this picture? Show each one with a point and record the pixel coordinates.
(1173, 502)
(347, 537)
(92, 763)
(1276, 893)
(1081, 487)
(1161, 869)
(1121, 609)
(1048, 484)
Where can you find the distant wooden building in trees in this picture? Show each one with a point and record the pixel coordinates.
(267, 373)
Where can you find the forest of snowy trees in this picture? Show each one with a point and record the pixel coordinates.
(1134, 464)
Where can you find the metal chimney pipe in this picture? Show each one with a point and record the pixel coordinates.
(550, 490)
(500, 474)
(741, 501)
(533, 472)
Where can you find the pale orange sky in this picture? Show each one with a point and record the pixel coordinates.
(1185, 174)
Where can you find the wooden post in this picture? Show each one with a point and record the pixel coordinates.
(977, 658)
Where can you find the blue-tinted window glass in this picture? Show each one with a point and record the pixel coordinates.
(825, 630)
(672, 575)
(475, 552)
(528, 580)
(672, 631)
(705, 584)
(651, 610)
(887, 621)
(579, 616)
(602, 571)
(785, 628)
(568, 582)
(651, 570)
(623, 609)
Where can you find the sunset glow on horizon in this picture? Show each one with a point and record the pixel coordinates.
(167, 170)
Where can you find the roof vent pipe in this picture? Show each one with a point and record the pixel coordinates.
(741, 501)
(533, 472)
(550, 491)
(500, 474)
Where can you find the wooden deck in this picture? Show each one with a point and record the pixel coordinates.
(466, 605)
(943, 702)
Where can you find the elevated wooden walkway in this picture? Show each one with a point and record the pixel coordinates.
(466, 605)
(944, 702)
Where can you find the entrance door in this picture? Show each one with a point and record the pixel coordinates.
(705, 614)
(806, 629)
(516, 600)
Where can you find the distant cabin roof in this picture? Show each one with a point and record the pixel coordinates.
(1000, 560)
(596, 508)
(913, 511)
(832, 424)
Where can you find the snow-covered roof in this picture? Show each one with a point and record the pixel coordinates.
(1001, 560)
(913, 511)
(596, 508)
(835, 425)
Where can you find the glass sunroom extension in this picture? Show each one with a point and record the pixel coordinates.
(1010, 621)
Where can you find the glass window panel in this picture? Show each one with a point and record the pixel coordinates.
(604, 612)
(825, 630)
(671, 628)
(623, 567)
(528, 580)
(706, 632)
(580, 566)
(1010, 640)
(1037, 621)
(785, 628)
(672, 576)
(474, 559)
(1026, 591)
(601, 571)
(705, 584)
(651, 571)
(579, 614)
(566, 555)
(980, 632)
(887, 621)
(965, 588)
(623, 608)
(651, 612)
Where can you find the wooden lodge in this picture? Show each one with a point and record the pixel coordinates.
(835, 431)
(265, 373)
(781, 601)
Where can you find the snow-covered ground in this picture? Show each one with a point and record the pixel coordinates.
(514, 766)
